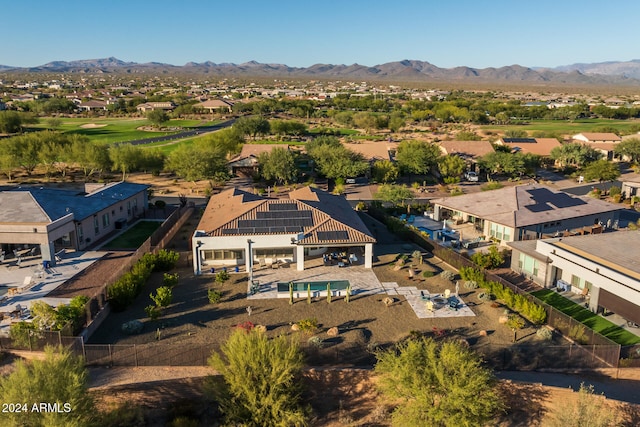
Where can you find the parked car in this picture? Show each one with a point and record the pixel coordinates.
(471, 176)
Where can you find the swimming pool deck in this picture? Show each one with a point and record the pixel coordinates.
(363, 282)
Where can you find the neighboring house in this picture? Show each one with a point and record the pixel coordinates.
(604, 268)
(92, 106)
(55, 219)
(539, 146)
(246, 163)
(241, 228)
(373, 150)
(213, 105)
(527, 212)
(602, 142)
(470, 151)
(631, 186)
(150, 106)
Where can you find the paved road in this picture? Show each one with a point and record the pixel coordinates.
(183, 134)
(625, 390)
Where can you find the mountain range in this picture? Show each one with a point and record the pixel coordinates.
(605, 73)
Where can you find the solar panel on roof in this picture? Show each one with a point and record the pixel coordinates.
(284, 214)
(333, 235)
(559, 200)
(283, 207)
(519, 140)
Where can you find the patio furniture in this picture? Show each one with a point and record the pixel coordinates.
(255, 287)
(447, 293)
(403, 217)
(425, 296)
(453, 304)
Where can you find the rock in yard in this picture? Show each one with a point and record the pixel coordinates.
(295, 327)
(333, 332)
(132, 327)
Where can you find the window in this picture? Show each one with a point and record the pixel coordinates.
(576, 281)
(500, 232)
(128, 207)
(222, 254)
(96, 225)
(105, 220)
(80, 233)
(274, 253)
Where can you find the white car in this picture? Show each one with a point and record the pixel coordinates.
(471, 176)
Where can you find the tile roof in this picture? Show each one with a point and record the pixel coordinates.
(539, 146)
(598, 136)
(227, 212)
(372, 150)
(525, 205)
(473, 149)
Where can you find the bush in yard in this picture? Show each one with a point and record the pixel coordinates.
(214, 296)
(470, 273)
(470, 285)
(222, 276)
(273, 395)
(23, 333)
(544, 333)
(308, 326)
(163, 296)
(132, 327)
(492, 259)
(590, 409)
(448, 275)
(428, 273)
(170, 279)
(166, 260)
(437, 384)
(153, 311)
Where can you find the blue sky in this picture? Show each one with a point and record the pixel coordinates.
(446, 33)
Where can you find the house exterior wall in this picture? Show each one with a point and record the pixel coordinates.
(529, 266)
(127, 210)
(203, 243)
(630, 189)
(600, 277)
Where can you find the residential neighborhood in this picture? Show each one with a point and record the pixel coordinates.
(262, 215)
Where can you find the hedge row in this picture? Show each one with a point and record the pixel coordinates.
(125, 290)
(532, 311)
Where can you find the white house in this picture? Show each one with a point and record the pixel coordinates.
(605, 268)
(241, 228)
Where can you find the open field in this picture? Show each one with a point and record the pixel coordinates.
(568, 127)
(592, 320)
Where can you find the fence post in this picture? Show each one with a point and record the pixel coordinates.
(110, 355)
(135, 354)
(60, 338)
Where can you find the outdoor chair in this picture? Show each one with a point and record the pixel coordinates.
(425, 296)
(447, 293)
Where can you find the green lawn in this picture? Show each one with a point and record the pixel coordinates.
(588, 318)
(116, 130)
(565, 126)
(134, 236)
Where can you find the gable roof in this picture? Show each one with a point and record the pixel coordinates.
(525, 205)
(372, 150)
(597, 136)
(321, 217)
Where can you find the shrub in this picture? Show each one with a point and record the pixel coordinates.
(544, 333)
(613, 191)
(484, 296)
(492, 259)
(470, 284)
(166, 260)
(170, 279)
(163, 296)
(428, 273)
(214, 296)
(309, 325)
(316, 341)
(470, 273)
(222, 276)
(153, 311)
(448, 275)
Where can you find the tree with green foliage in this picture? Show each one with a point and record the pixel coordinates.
(262, 379)
(451, 166)
(90, 156)
(395, 194)
(574, 154)
(468, 136)
(287, 127)
(417, 157)
(491, 259)
(629, 148)
(252, 126)
(503, 163)
(60, 379)
(397, 121)
(437, 384)
(601, 170)
(11, 122)
(278, 165)
(516, 133)
(385, 171)
(334, 160)
(125, 158)
(590, 410)
(163, 297)
(157, 117)
(197, 162)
